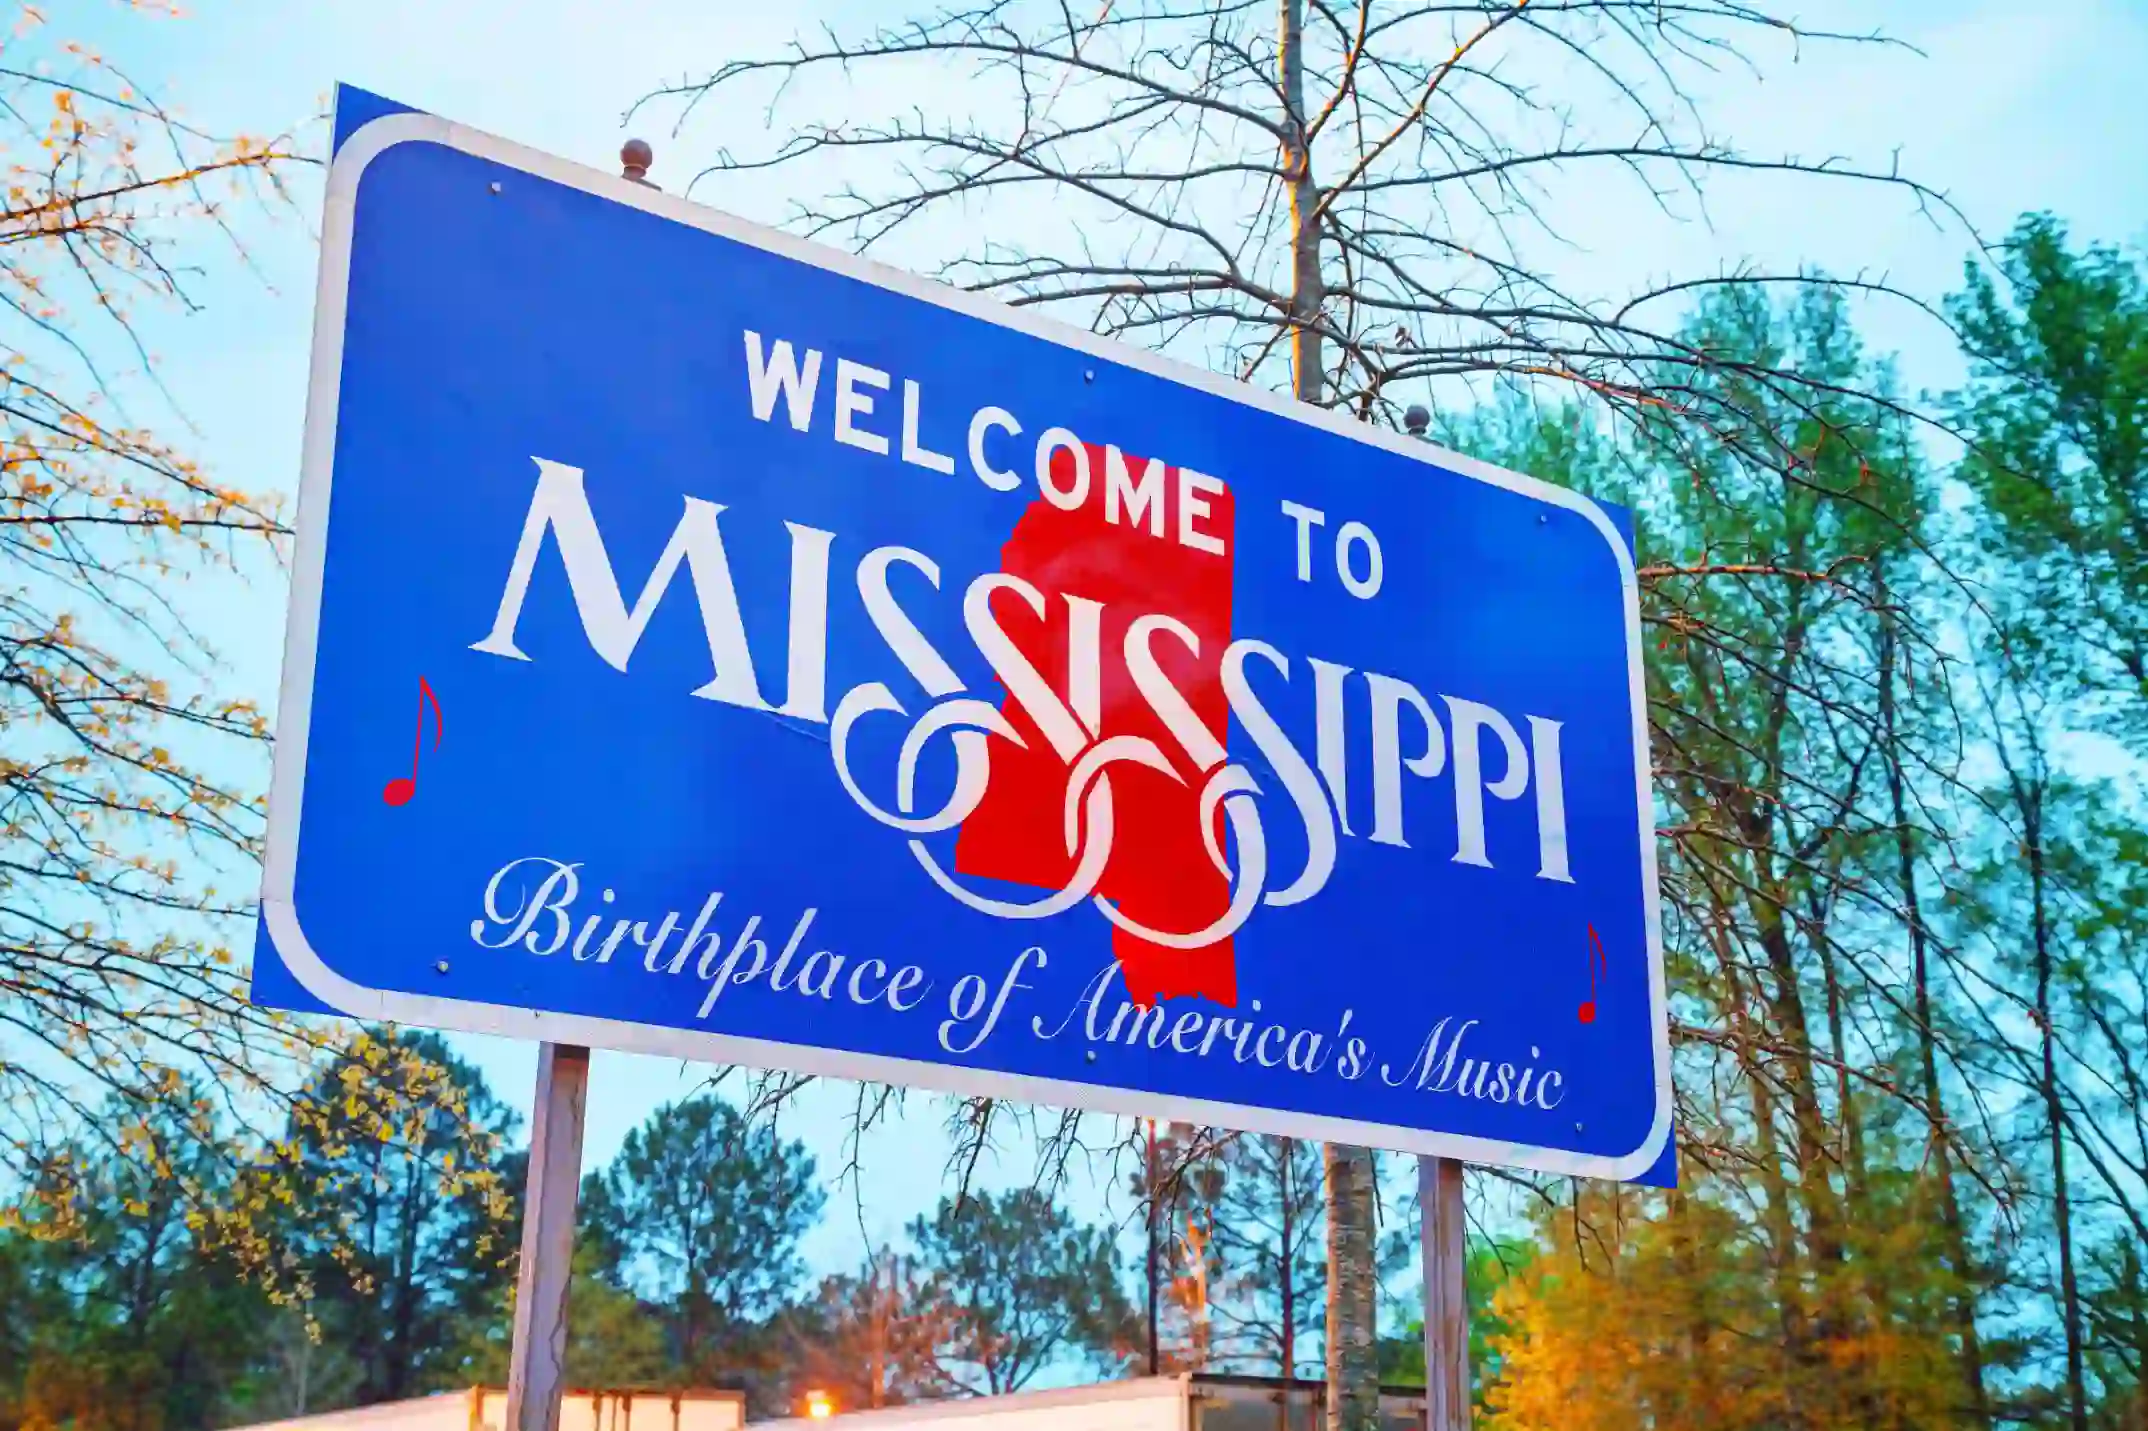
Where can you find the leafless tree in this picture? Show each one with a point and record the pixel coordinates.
(1359, 201)
(128, 1043)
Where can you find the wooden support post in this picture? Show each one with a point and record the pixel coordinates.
(537, 1360)
(1446, 1257)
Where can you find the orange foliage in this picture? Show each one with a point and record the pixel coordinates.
(1668, 1313)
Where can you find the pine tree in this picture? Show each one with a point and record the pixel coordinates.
(1016, 1285)
(701, 1214)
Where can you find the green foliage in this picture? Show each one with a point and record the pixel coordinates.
(1492, 1263)
(2118, 1331)
(613, 1341)
(1017, 1284)
(2056, 413)
(128, 1322)
(2055, 417)
(701, 1214)
(133, 1307)
(1809, 1273)
(403, 1227)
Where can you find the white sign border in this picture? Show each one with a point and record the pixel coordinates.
(294, 717)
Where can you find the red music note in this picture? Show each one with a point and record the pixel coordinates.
(1587, 1012)
(400, 790)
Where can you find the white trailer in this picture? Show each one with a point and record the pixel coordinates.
(1193, 1401)
(484, 1408)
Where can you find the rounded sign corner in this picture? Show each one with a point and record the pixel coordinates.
(1621, 555)
(351, 999)
(1641, 1159)
(376, 137)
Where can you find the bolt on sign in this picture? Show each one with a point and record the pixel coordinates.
(707, 643)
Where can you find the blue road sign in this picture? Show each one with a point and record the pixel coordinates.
(711, 644)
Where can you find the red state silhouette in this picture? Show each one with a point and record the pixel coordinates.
(1158, 873)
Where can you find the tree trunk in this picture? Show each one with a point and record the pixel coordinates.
(2137, 1293)
(1694, 1351)
(405, 1294)
(1791, 1025)
(880, 1313)
(1778, 1217)
(143, 1297)
(1353, 1359)
(1770, 902)
(305, 1367)
(1286, 1274)
(1846, 1104)
(1769, 896)
(1308, 289)
(1859, 1304)
(1148, 1191)
(1353, 1400)
(2054, 1114)
(1935, 1112)
(1287, 1262)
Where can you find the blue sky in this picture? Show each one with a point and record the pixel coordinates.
(2013, 104)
